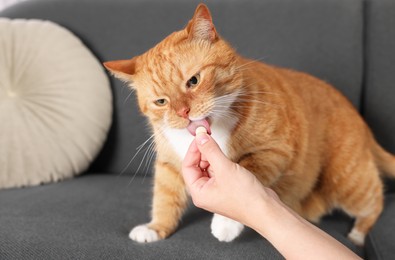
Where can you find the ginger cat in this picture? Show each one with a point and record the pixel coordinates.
(296, 133)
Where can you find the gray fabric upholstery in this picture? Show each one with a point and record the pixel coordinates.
(379, 105)
(380, 242)
(379, 84)
(347, 43)
(379, 110)
(89, 217)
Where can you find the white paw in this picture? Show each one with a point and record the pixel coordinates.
(357, 237)
(225, 229)
(143, 234)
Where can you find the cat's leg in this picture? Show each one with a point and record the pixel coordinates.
(357, 188)
(225, 229)
(169, 202)
(366, 215)
(314, 207)
(366, 205)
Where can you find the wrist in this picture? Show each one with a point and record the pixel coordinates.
(292, 235)
(270, 216)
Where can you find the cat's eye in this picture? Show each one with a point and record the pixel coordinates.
(192, 82)
(160, 102)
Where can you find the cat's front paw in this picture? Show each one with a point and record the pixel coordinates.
(357, 237)
(143, 234)
(225, 229)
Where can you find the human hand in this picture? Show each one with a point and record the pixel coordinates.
(219, 185)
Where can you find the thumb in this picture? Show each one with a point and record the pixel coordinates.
(211, 151)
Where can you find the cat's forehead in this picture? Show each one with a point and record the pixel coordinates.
(173, 63)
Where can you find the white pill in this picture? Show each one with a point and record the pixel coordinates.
(200, 129)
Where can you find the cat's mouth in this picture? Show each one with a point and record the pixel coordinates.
(194, 124)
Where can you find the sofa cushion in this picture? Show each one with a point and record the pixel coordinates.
(89, 217)
(380, 242)
(378, 100)
(55, 103)
(317, 36)
(379, 105)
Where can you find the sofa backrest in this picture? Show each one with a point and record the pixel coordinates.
(378, 105)
(379, 74)
(322, 37)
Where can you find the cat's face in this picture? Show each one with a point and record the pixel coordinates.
(188, 79)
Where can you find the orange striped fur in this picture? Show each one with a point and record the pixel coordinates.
(296, 133)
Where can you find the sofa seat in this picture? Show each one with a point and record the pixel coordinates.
(89, 217)
(380, 242)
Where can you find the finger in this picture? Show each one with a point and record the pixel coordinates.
(190, 165)
(192, 156)
(211, 152)
(203, 157)
(204, 164)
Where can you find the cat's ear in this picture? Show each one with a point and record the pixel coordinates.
(201, 26)
(122, 69)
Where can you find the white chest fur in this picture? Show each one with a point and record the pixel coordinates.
(180, 139)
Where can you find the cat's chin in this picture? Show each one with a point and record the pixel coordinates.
(194, 124)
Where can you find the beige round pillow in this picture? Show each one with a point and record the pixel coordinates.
(55, 103)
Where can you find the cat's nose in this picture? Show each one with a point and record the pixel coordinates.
(183, 112)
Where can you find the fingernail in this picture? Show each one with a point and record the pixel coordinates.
(202, 138)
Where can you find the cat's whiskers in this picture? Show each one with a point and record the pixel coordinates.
(227, 98)
(250, 62)
(250, 96)
(255, 93)
(226, 103)
(223, 102)
(148, 163)
(229, 106)
(150, 149)
(151, 154)
(261, 102)
(139, 148)
(231, 114)
(129, 95)
(221, 114)
(147, 153)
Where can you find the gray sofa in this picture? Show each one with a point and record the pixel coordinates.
(350, 44)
